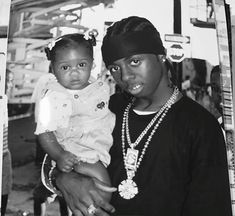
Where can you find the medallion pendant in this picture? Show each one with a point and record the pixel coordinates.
(128, 188)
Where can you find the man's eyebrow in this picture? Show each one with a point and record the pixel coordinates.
(132, 56)
(128, 58)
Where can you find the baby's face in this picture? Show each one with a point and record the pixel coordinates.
(72, 67)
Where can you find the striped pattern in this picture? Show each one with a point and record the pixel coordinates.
(5, 139)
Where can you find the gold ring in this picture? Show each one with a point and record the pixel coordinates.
(91, 209)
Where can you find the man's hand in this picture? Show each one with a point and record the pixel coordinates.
(80, 192)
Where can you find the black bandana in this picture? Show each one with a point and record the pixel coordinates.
(125, 45)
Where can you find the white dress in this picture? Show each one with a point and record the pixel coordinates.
(80, 119)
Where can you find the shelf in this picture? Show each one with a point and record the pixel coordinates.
(210, 23)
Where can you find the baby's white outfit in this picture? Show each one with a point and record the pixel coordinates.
(80, 119)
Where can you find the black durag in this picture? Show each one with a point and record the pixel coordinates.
(131, 43)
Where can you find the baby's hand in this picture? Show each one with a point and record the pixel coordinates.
(66, 161)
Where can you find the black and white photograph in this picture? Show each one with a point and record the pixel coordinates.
(117, 108)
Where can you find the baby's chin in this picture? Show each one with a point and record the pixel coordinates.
(78, 87)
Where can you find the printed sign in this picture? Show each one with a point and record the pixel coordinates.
(176, 52)
(178, 47)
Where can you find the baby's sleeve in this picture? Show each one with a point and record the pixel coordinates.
(54, 111)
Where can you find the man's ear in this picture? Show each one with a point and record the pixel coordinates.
(162, 58)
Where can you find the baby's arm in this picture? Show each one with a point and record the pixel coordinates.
(64, 159)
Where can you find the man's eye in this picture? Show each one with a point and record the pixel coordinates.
(65, 67)
(114, 69)
(135, 62)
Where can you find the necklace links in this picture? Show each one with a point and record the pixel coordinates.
(128, 188)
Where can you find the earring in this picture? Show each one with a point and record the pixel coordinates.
(163, 59)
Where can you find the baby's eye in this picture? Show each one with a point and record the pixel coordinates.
(114, 69)
(135, 62)
(65, 67)
(82, 64)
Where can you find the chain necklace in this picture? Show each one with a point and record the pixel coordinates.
(128, 188)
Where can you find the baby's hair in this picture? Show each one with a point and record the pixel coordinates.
(135, 23)
(69, 41)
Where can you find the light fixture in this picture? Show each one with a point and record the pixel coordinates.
(71, 17)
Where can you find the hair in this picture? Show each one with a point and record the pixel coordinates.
(133, 24)
(130, 24)
(215, 69)
(201, 72)
(69, 41)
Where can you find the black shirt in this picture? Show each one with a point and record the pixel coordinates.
(184, 170)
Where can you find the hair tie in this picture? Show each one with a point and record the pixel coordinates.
(50, 46)
(53, 43)
(90, 36)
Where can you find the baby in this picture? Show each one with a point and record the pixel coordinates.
(74, 124)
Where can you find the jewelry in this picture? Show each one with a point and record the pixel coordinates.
(128, 188)
(91, 209)
(52, 43)
(163, 59)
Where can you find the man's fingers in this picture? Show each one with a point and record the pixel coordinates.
(69, 202)
(74, 205)
(100, 212)
(84, 209)
(77, 213)
(101, 203)
(77, 208)
(100, 185)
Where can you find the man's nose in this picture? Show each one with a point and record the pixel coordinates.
(127, 74)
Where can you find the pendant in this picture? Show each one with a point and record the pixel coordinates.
(131, 159)
(128, 189)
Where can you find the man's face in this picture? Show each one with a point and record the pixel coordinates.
(138, 74)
